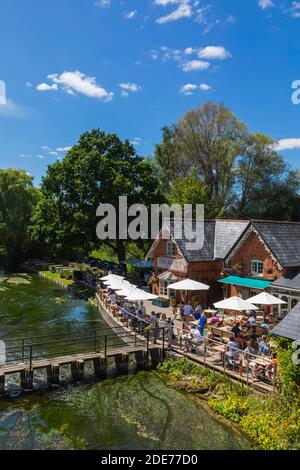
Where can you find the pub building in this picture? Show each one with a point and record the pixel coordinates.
(238, 257)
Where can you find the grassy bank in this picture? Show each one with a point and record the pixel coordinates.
(272, 421)
(79, 287)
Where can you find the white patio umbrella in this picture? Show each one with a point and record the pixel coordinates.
(188, 284)
(140, 294)
(264, 298)
(126, 290)
(235, 303)
(118, 285)
(111, 276)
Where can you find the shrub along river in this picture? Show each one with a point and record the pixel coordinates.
(139, 411)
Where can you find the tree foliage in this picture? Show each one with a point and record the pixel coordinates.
(241, 171)
(17, 200)
(98, 169)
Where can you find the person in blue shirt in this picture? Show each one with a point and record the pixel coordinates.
(202, 323)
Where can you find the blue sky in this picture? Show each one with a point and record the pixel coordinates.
(133, 66)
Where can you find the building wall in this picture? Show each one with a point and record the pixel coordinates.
(253, 249)
(207, 272)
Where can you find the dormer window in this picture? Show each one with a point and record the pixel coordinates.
(171, 248)
(257, 267)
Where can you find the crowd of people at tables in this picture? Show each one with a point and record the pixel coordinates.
(196, 326)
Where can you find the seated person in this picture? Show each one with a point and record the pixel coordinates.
(187, 310)
(271, 368)
(263, 348)
(266, 324)
(249, 351)
(236, 329)
(197, 312)
(252, 319)
(195, 335)
(215, 320)
(232, 349)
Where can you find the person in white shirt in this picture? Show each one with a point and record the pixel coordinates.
(113, 298)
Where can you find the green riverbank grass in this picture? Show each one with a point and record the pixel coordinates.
(78, 287)
(272, 421)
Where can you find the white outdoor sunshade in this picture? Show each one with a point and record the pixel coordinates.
(140, 294)
(235, 303)
(126, 290)
(188, 284)
(264, 298)
(111, 276)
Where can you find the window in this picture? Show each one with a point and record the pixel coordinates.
(257, 267)
(171, 248)
(163, 287)
(228, 264)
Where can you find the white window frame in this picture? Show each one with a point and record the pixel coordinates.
(171, 249)
(256, 271)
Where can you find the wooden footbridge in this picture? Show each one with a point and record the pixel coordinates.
(96, 346)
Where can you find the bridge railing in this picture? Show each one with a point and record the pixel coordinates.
(97, 340)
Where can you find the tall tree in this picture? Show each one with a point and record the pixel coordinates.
(243, 174)
(17, 200)
(98, 169)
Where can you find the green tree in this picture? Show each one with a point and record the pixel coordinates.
(190, 190)
(18, 197)
(98, 169)
(241, 172)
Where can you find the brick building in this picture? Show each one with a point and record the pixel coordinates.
(237, 258)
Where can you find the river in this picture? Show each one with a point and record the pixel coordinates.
(139, 411)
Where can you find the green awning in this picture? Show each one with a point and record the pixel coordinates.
(246, 282)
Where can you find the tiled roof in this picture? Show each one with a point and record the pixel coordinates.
(282, 239)
(289, 327)
(219, 238)
(290, 280)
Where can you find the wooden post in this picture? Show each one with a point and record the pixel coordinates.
(141, 358)
(74, 370)
(80, 365)
(155, 355)
(100, 367)
(55, 374)
(2, 382)
(26, 378)
(122, 363)
(23, 381)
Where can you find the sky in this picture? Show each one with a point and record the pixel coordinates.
(133, 66)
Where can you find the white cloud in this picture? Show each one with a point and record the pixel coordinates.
(46, 87)
(129, 88)
(294, 11)
(28, 84)
(53, 153)
(188, 89)
(15, 110)
(195, 65)
(76, 82)
(189, 50)
(169, 2)
(287, 144)
(130, 14)
(102, 3)
(204, 87)
(184, 10)
(214, 52)
(63, 149)
(136, 141)
(41, 157)
(264, 4)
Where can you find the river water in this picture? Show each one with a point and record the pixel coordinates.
(139, 411)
